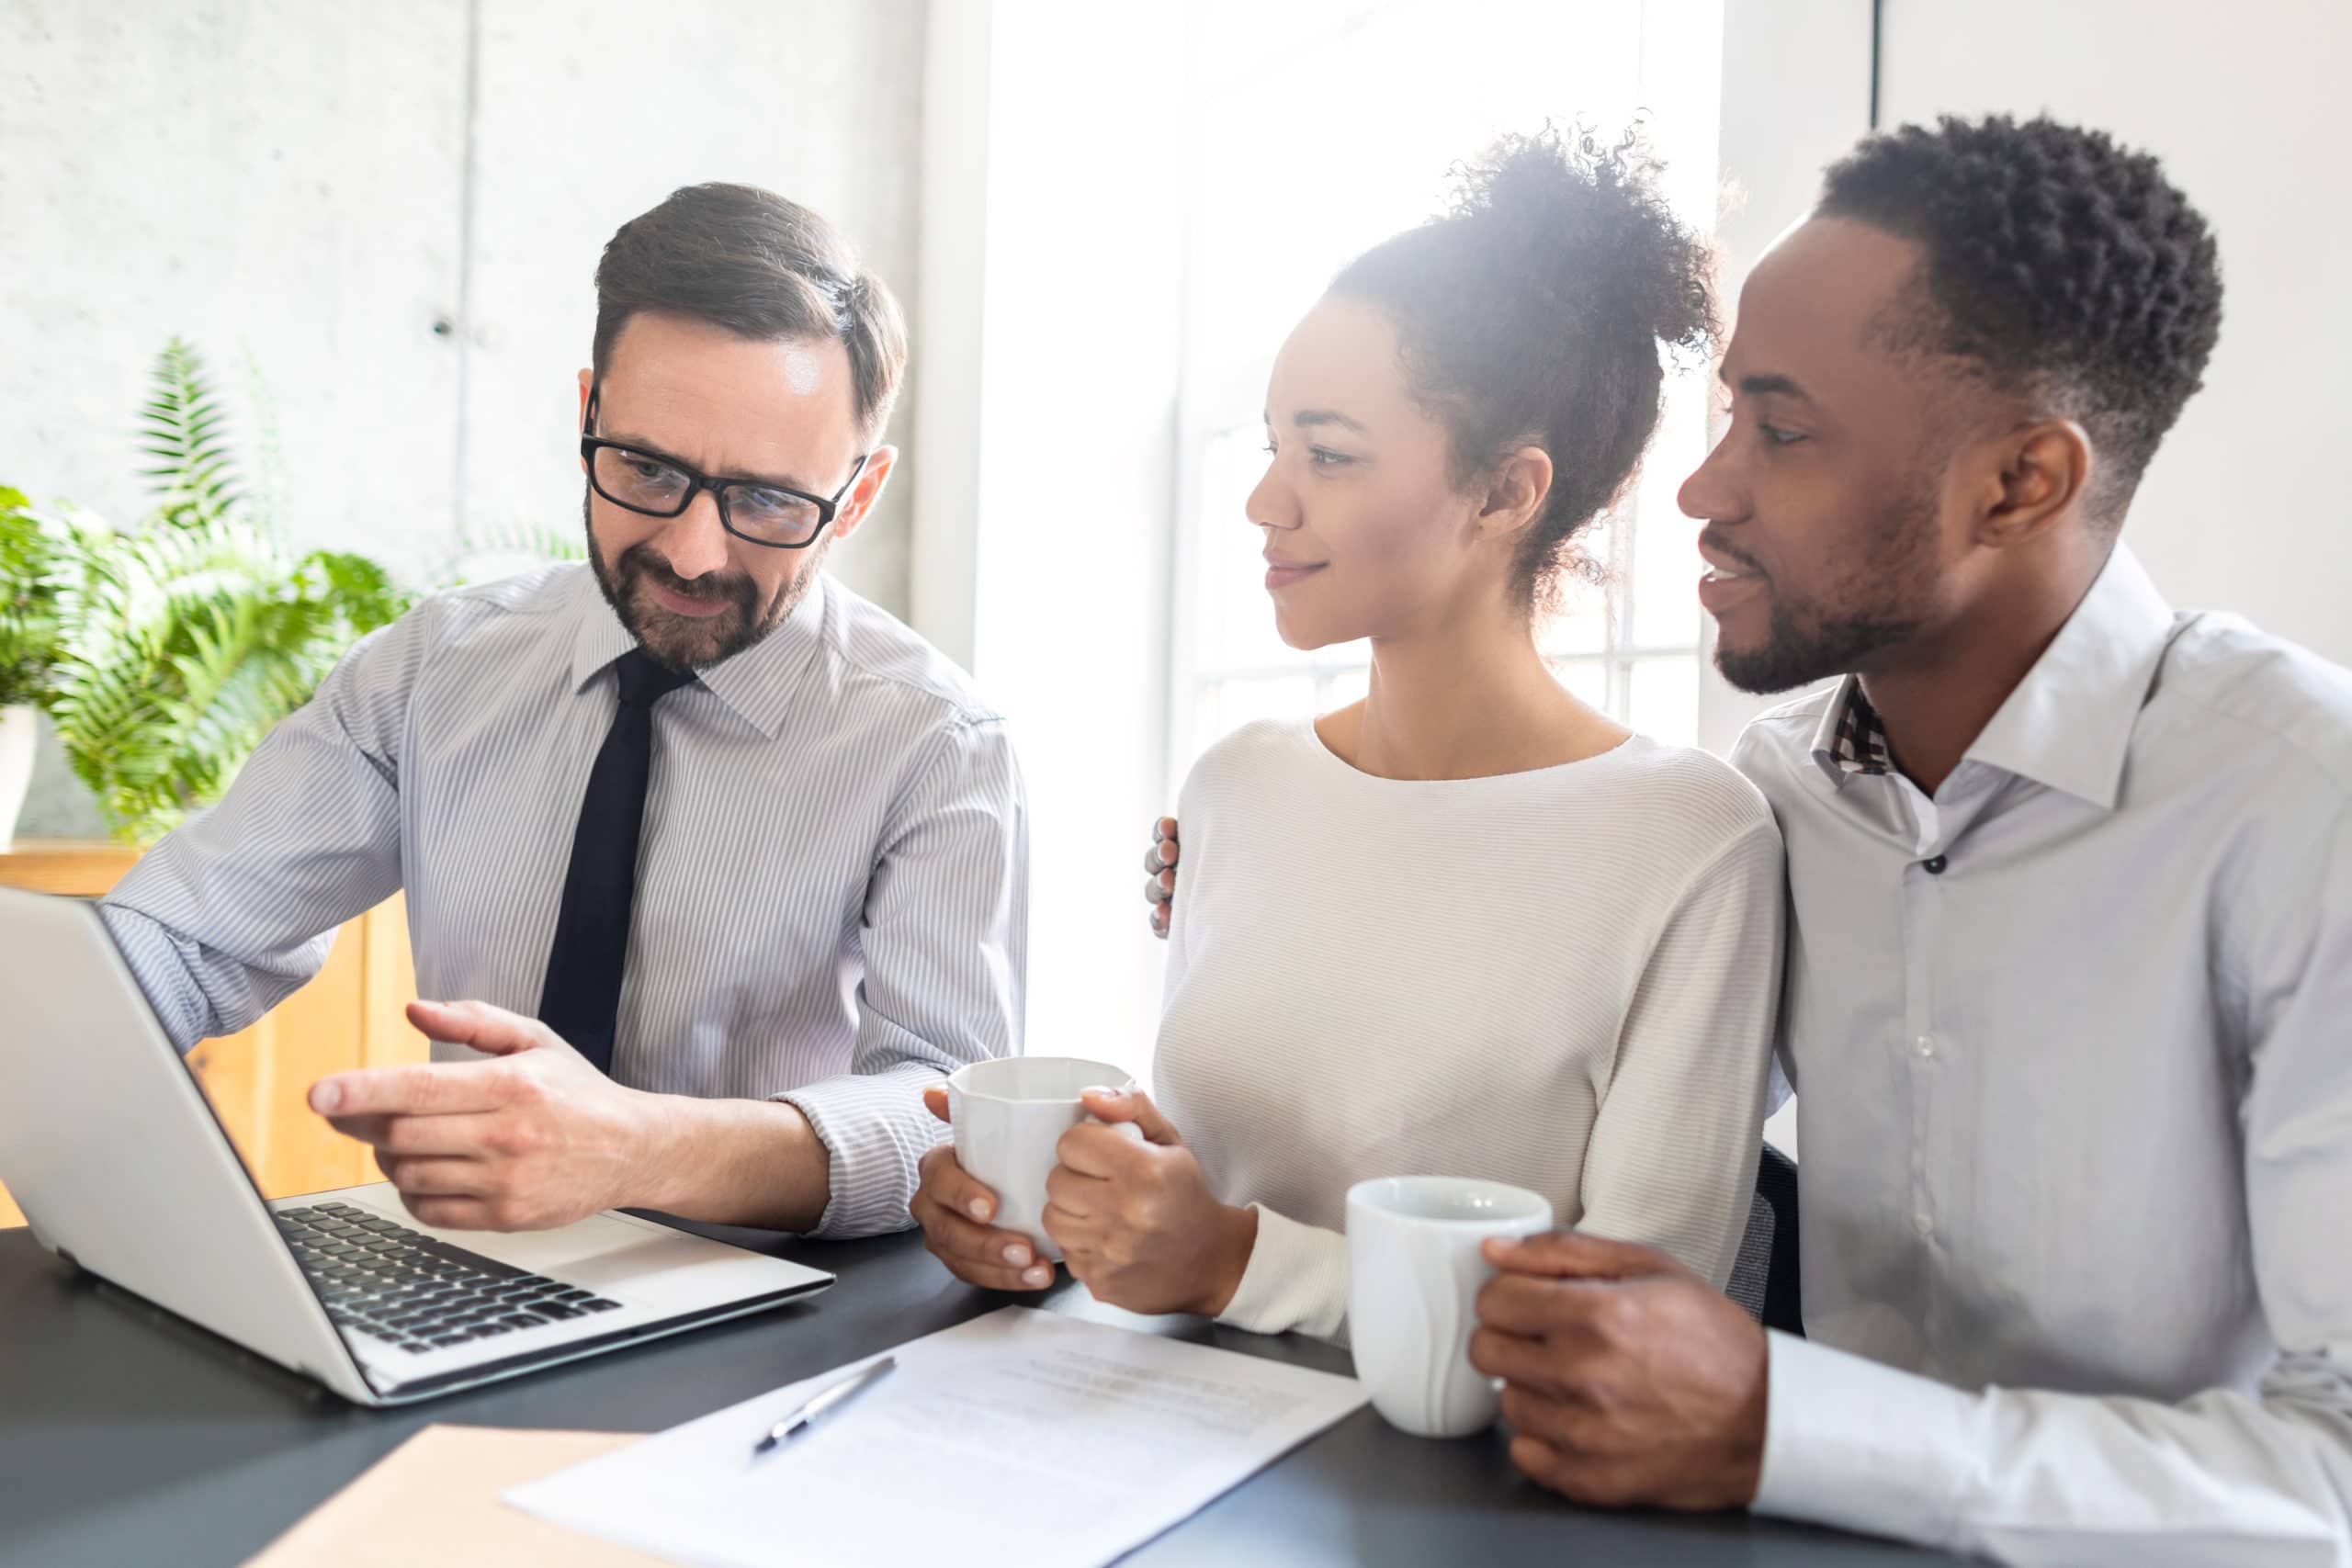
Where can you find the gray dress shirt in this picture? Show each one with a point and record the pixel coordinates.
(2071, 1042)
(831, 892)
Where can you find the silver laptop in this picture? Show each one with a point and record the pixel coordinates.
(109, 1146)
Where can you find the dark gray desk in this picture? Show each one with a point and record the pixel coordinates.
(128, 1437)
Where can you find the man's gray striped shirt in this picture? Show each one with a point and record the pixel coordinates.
(832, 886)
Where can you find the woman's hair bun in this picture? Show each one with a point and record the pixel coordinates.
(1532, 309)
(1582, 221)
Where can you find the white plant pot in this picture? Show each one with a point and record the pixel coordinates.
(19, 732)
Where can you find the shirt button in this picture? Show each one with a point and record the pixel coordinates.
(1927, 1044)
(1935, 867)
(1920, 1223)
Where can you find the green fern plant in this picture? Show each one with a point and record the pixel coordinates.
(29, 559)
(181, 642)
(184, 431)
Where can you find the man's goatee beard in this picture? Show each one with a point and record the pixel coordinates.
(744, 626)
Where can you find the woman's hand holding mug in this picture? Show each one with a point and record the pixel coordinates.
(955, 1210)
(1135, 1218)
(981, 1202)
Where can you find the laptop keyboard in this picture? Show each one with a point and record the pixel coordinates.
(418, 1293)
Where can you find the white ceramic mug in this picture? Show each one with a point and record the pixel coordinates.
(1414, 1273)
(1008, 1112)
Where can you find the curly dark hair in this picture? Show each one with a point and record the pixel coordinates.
(1531, 312)
(2065, 266)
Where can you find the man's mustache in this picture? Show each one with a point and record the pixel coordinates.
(643, 560)
(1711, 540)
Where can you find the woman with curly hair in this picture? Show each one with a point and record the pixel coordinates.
(1469, 925)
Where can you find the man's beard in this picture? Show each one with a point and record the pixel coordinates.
(688, 642)
(1879, 604)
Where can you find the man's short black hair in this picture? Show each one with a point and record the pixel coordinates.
(761, 267)
(2065, 266)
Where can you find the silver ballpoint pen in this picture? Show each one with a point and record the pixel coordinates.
(824, 1400)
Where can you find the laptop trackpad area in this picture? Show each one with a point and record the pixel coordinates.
(641, 1262)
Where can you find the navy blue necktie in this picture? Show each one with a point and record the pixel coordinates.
(581, 998)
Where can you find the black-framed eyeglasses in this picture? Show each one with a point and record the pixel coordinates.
(654, 484)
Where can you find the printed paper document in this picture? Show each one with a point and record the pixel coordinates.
(1021, 1440)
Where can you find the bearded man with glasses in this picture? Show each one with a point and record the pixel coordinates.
(725, 863)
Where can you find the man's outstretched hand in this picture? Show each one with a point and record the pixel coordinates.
(531, 1138)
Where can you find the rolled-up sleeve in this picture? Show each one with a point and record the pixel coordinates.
(944, 939)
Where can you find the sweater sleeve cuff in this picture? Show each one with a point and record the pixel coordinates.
(1296, 1279)
(1854, 1444)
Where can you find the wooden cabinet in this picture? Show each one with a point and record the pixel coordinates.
(349, 1015)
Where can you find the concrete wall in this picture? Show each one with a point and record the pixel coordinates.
(393, 208)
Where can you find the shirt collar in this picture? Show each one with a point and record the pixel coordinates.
(2068, 723)
(1846, 732)
(1851, 739)
(758, 684)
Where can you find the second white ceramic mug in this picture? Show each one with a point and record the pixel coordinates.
(1414, 1274)
(1008, 1112)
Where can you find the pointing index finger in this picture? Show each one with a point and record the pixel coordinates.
(425, 1088)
